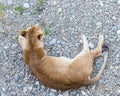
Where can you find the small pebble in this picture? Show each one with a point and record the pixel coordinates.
(52, 94)
(43, 87)
(107, 89)
(37, 82)
(118, 91)
(59, 10)
(114, 18)
(60, 95)
(6, 47)
(118, 1)
(25, 89)
(83, 93)
(77, 95)
(9, 2)
(118, 32)
(16, 77)
(99, 24)
(101, 3)
(53, 41)
(2, 94)
(91, 45)
(53, 90)
(81, 42)
(54, 3)
(30, 88)
(93, 88)
(66, 93)
(3, 89)
(26, 5)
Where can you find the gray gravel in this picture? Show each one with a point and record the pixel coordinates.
(63, 21)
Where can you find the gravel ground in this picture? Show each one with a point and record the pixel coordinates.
(63, 22)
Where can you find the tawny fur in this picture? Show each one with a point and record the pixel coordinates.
(59, 72)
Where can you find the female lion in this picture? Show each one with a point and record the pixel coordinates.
(60, 72)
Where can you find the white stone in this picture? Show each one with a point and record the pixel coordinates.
(59, 10)
(118, 1)
(118, 91)
(37, 82)
(66, 93)
(99, 24)
(54, 3)
(25, 89)
(3, 89)
(93, 88)
(101, 3)
(114, 18)
(26, 5)
(60, 95)
(43, 87)
(53, 90)
(50, 94)
(53, 41)
(6, 47)
(107, 89)
(81, 42)
(91, 45)
(83, 93)
(118, 32)
(9, 2)
(30, 88)
(77, 94)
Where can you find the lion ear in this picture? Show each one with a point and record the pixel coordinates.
(23, 33)
(40, 36)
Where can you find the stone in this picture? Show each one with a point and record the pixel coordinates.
(3, 89)
(25, 89)
(26, 5)
(93, 88)
(81, 42)
(42, 86)
(53, 41)
(2, 94)
(99, 24)
(83, 93)
(54, 3)
(118, 32)
(6, 47)
(59, 10)
(37, 83)
(114, 18)
(118, 1)
(53, 90)
(118, 91)
(66, 93)
(16, 77)
(60, 95)
(107, 89)
(77, 94)
(51, 94)
(91, 45)
(9, 2)
(101, 3)
(30, 88)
